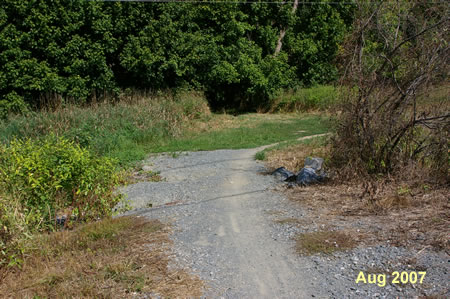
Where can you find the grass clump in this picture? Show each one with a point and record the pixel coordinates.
(325, 242)
(112, 258)
(320, 97)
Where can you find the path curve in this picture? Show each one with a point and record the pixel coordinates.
(219, 202)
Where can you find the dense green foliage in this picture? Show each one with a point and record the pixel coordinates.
(53, 174)
(43, 178)
(64, 50)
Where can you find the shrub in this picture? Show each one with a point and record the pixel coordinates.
(53, 175)
(80, 51)
(393, 55)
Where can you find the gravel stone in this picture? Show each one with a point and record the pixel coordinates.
(223, 212)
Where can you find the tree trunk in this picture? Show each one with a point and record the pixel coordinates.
(283, 31)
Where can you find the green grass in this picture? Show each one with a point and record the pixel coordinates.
(266, 132)
(129, 132)
(319, 97)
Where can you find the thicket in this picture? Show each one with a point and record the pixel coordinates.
(41, 179)
(395, 55)
(79, 51)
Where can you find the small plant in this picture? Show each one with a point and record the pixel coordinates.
(403, 190)
(260, 156)
(153, 176)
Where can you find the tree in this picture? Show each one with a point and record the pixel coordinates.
(397, 49)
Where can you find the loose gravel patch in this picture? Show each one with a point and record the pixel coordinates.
(232, 227)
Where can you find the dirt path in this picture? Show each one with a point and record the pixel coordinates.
(219, 204)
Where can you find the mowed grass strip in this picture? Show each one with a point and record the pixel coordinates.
(112, 258)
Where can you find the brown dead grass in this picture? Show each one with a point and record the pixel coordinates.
(113, 258)
(218, 122)
(415, 220)
(324, 242)
(407, 211)
(293, 157)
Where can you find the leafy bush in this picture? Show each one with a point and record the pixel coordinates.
(51, 176)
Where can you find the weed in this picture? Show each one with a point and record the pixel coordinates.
(260, 156)
(289, 221)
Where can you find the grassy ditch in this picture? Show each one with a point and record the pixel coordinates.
(106, 259)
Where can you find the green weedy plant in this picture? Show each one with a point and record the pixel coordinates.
(54, 176)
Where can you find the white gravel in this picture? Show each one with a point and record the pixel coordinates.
(219, 204)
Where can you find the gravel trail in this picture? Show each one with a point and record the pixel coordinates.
(218, 202)
(223, 208)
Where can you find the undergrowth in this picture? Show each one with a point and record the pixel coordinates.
(45, 178)
(120, 130)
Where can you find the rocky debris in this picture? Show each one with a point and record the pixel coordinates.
(312, 173)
